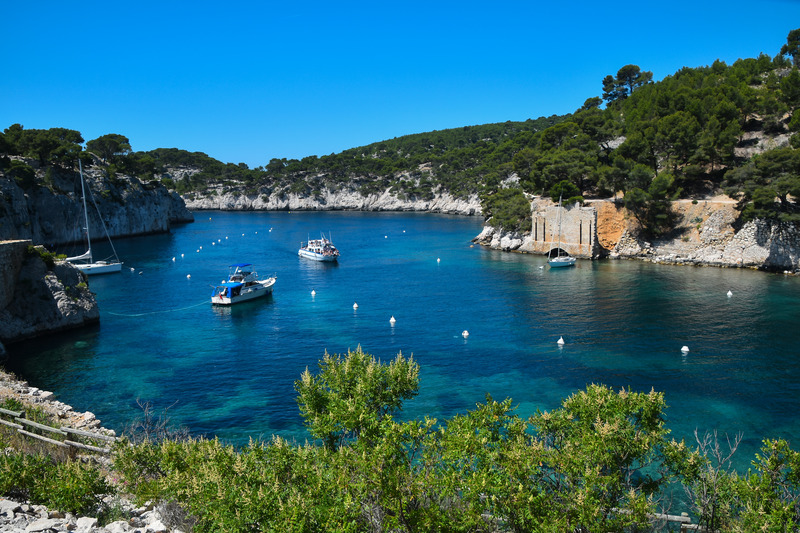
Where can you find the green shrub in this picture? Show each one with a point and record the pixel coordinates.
(72, 487)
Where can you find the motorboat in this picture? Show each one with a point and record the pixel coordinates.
(242, 285)
(321, 249)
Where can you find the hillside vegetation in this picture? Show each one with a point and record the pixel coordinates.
(705, 130)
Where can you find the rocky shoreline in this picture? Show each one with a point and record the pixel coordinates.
(707, 233)
(39, 295)
(23, 517)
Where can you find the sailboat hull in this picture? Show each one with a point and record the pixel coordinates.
(558, 262)
(100, 267)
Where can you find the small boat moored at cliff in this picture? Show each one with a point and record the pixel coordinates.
(560, 260)
(242, 285)
(321, 249)
(85, 262)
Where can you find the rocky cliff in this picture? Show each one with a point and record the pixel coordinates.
(39, 296)
(707, 233)
(51, 212)
(331, 200)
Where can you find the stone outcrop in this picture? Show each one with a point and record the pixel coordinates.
(706, 234)
(332, 200)
(21, 517)
(53, 215)
(37, 299)
(578, 235)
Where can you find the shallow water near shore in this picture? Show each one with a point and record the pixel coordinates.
(230, 372)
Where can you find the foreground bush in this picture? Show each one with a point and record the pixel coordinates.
(68, 486)
(599, 462)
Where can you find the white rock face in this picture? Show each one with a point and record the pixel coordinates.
(125, 207)
(330, 200)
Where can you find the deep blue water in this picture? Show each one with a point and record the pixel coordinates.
(230, 372)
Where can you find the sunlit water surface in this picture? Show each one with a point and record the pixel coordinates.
(230, 372)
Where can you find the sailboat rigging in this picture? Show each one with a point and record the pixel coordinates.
(85, 262)
(559, 260)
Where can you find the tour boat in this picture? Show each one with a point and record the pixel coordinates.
(321, 249)
(242, 285)
(85, 262)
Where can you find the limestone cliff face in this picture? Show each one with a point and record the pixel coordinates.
(36, 299)
(706, 234)
(53, 215)
(332, 200)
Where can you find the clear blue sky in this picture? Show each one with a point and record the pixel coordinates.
(250, 81)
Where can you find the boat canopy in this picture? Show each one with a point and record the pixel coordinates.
(231, 284)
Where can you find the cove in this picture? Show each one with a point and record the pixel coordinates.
(230, 372)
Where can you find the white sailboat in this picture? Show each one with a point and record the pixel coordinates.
(85, 262)
(559, 260)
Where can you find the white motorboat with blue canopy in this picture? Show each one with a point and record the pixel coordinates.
(242, 285)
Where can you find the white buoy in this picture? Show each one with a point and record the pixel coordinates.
(438, 260)
(181, 255)
(730, 294)
(313, 292)
(385, 236)
(173, 259)
(188, 276)
(560, 341)
(226, 237)
(355, 306)
(213, 244)
(685, 349)
(465, 334)
(392, 320)
(201, 247)
(140, 272)
(132, 269)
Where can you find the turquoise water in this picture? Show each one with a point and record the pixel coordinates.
(230, 372)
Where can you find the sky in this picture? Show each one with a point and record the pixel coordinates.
(246, 82)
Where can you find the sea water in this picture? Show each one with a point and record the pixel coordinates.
(230, 372)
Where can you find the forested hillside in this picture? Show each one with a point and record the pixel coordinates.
(704, 130)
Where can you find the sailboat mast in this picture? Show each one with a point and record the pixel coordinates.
(85, 211)
(558, 250)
